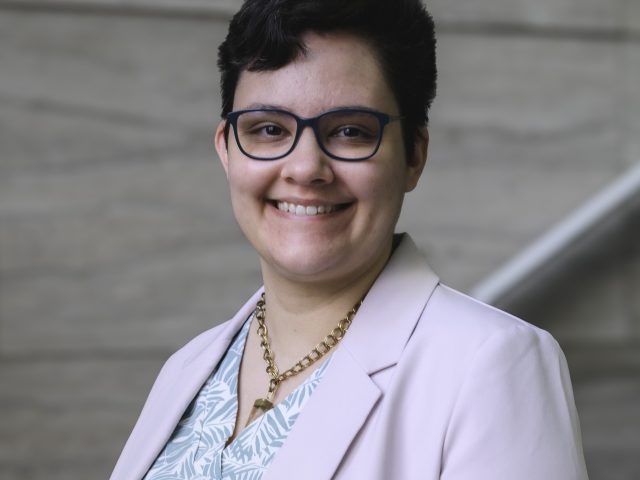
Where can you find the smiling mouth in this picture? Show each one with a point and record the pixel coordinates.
(309, 210)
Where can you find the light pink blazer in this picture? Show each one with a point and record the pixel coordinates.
(427, 384)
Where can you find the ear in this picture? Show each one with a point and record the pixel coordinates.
(417, 162)
(221, 146)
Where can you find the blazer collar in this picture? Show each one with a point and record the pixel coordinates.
(343, 400)
(387, 317)
(212, 352)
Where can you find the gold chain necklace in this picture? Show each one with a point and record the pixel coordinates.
(320, 350)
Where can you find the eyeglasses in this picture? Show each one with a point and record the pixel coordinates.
(347, 134)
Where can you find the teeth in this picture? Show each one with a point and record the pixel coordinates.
(301, 210)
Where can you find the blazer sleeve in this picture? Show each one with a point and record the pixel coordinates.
(515, 416)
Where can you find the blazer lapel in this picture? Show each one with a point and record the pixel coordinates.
(326, 426)
(170, 398)
(345, 397)
(391, 309)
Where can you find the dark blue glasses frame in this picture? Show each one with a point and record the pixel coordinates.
(301, 123)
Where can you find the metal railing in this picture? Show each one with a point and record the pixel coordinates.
(560, 237)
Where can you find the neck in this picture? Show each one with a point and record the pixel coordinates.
(300, 314)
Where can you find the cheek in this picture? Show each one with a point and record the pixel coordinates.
(236, 187)
(385, 186)
(389, 180)
(246, 180)
(380, 195)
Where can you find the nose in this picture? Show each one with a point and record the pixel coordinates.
(307, 164)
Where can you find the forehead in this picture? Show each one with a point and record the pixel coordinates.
(337, 70)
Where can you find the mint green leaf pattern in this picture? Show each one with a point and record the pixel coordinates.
(196, 449)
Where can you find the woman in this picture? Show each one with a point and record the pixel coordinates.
(323, 132)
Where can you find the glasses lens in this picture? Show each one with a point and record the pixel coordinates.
(266, 134)
(350, 135)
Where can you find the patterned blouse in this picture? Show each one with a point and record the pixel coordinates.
(196, 449)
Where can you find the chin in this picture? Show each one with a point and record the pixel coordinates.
(305, 268)
(343, 266)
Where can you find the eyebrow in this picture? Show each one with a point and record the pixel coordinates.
(251, 106)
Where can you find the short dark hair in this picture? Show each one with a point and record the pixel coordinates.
(266, 35)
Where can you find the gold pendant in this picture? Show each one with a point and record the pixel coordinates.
(260, 407)
(263, 404)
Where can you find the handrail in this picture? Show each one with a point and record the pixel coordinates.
(558, 238)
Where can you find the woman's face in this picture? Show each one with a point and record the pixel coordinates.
(363, 199)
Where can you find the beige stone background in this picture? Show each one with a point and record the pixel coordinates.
(117, 243)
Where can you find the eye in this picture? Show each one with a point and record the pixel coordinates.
(272, 130)
(353, 132)
(267, 131)
(349, 132)
(265, 125)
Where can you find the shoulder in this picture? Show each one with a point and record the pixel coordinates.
(195, 347)
(455, 318)
(507, 388)
(459, 340)
(206, 347)
(202, 341)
